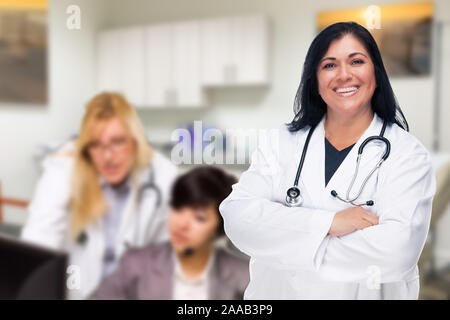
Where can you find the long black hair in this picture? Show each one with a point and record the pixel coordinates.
(309, 106)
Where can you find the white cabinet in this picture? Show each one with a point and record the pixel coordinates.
(250, 49)
(173, 65)
(133, 77)
(120, 59)
(216, 50)
(108, 57)
(158, 56)
(169, 65)
(235, 51)
(186, 64)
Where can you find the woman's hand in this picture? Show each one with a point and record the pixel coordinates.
(352, 219)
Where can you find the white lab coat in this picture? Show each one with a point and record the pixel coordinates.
(292, 255)
(49, 217)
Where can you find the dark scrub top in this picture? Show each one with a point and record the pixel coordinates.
(333, 159)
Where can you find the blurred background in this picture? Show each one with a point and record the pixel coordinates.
(233, 64)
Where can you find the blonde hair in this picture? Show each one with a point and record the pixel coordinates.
(87, 202)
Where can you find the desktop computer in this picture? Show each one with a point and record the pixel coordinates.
(28, 271)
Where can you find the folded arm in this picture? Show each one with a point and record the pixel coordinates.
(265, 229)
(393, 246)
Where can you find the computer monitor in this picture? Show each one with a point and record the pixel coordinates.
(29, 271)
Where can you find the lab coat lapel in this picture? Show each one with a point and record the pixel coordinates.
(312, 177)
(137, 213)
(372, 153)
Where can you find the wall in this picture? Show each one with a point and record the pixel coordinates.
(443, 13)
(442, 234)
(71, 75)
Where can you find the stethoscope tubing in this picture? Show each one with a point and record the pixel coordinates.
(297, 200)
(150, 184)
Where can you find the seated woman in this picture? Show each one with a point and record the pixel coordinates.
(100, 194)
(190, 266)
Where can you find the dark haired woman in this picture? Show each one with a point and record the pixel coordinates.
(190, 266)
(323, 211)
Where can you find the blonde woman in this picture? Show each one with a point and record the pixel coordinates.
(101, 194)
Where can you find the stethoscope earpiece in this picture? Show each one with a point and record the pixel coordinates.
(367, 203)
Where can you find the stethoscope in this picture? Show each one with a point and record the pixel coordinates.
(293, 194)
(147, 186)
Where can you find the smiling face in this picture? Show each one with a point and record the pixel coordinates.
(346, 77)
(112, 150)
(192, 227)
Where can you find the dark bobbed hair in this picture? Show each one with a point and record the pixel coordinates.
(309, 106)
(201, 187)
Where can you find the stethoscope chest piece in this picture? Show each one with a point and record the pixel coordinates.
(293, 197)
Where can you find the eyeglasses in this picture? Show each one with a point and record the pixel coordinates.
(116, 145)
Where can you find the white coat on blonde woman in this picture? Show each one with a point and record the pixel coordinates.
(292, 254)
(141, 222)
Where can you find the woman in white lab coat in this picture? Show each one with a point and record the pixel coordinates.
(327, 248)
(101, 194)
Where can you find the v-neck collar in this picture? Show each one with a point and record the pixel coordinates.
(344, 173)
(312, 178)
(333, 159)
(336, 150)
